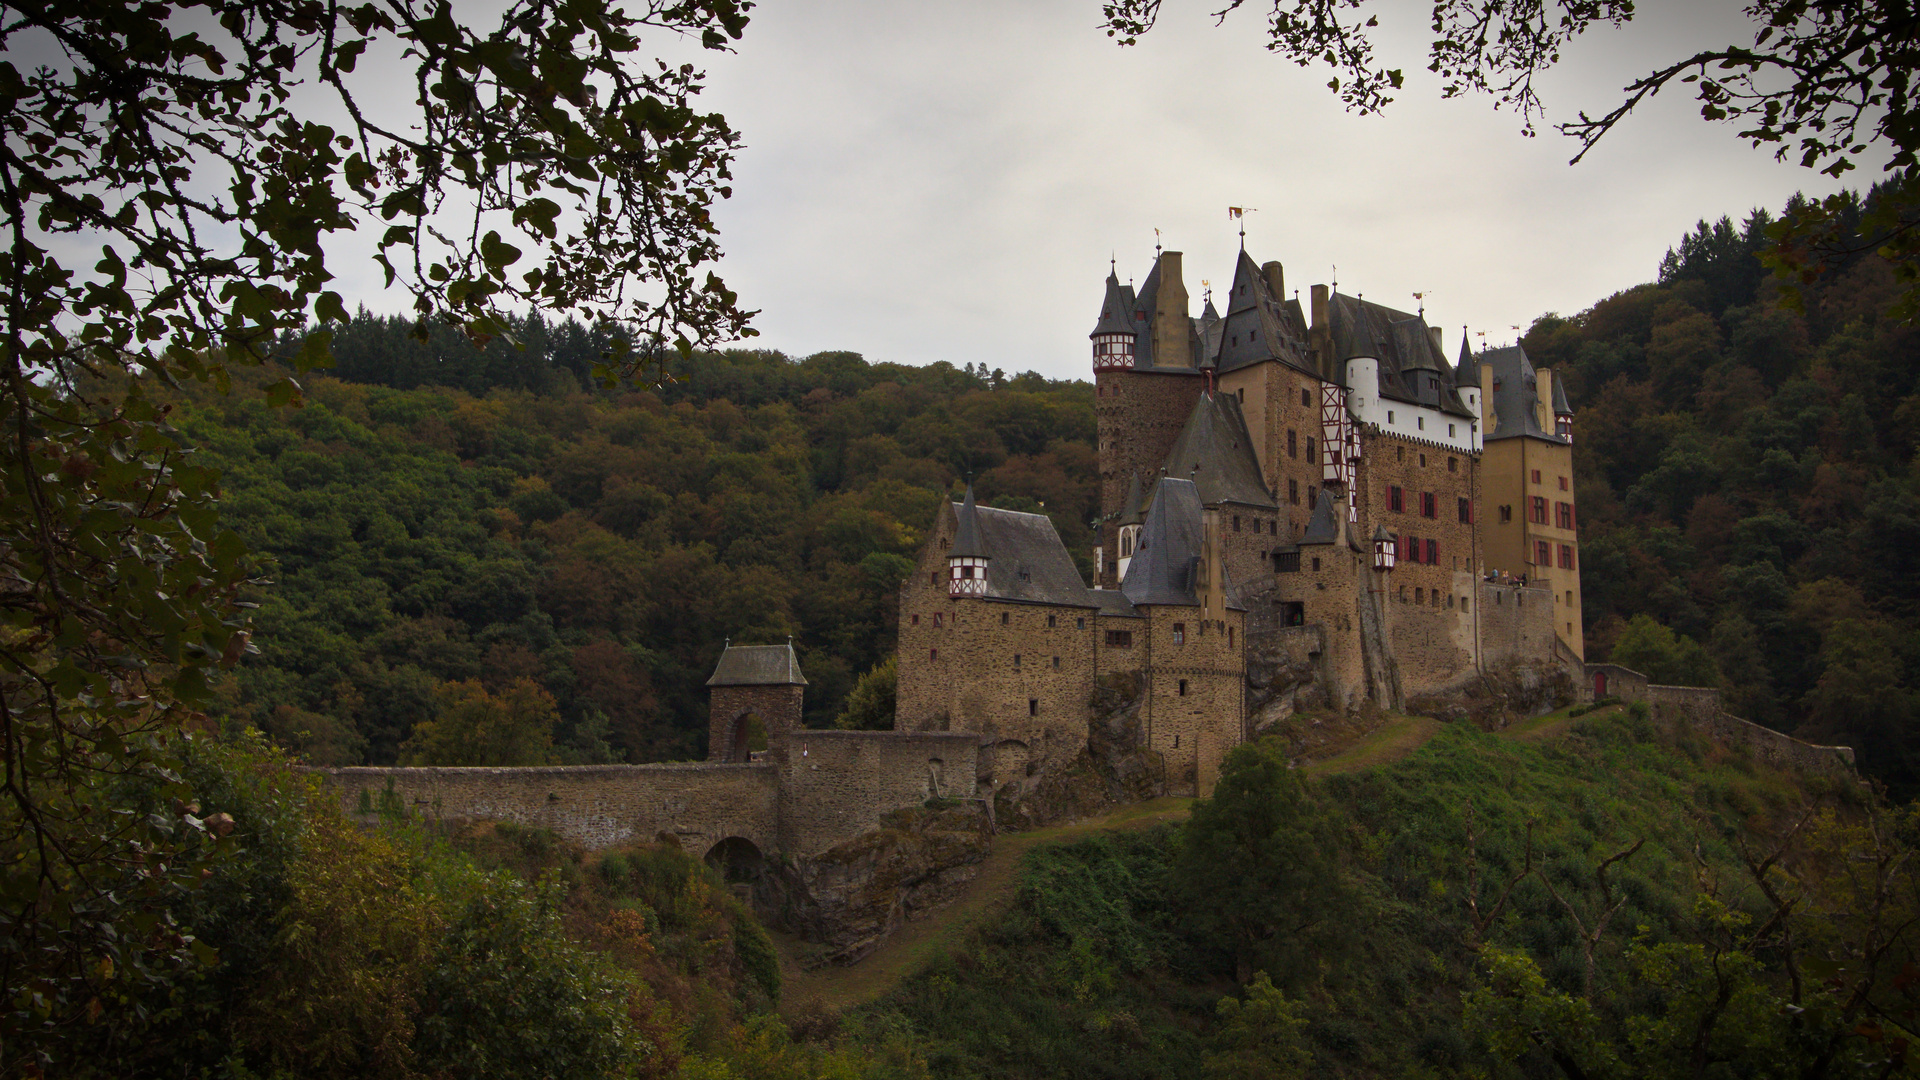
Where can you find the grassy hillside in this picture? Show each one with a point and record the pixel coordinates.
(1350, 892)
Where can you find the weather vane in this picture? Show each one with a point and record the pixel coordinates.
(1422, 298)
(1239, 214)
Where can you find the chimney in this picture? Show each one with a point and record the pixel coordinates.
(1434, 333)
(1319, 302)
(1276, 280)
(1320, 334)
(1543, 402)
(1171, 332)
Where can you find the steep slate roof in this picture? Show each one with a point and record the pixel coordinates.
(1132, 512)
(1516, 390)
(1259, 325)
(1467, 373)
(967, 543)
(1560, 406)
(1324, 526)
(758, 665)
(1114, 603)
(1116, 310)
(1162, 569)
(1215, 451)
(1026, 560)
(1408, 359)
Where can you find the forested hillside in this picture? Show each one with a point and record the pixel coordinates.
(1747, 477)
(537, 561)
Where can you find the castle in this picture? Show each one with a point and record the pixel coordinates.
(1330, 485)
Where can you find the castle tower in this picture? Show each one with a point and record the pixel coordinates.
(1562, 412)
(1127, 527)
(752, 683)
(967, 559)
(1529, 527)
(1146, 351)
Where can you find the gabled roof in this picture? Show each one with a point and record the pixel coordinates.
(1026, 561)
(1516, 393)
(758, 665)
(1162, 570)
(967, 543)
(1409, 362)
(1215, 451)
(1114, 603)
(1259, 325)
(1324, 526)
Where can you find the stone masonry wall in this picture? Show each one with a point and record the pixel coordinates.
(1433, 641)
(1516, 624)
(835, 785)
(595, 806)
(778, 707)
(1138, 416)
(1700, 708)
(1195, 693)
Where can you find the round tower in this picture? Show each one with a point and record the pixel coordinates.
(967, 559)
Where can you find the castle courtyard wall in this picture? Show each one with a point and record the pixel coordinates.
(1516, 623)
(835, 785)
(1195, 708)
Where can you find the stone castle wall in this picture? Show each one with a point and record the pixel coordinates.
(835, 785)
(1701, 708)
(1195, 693)
(1138, 416)
(1516, 624)
(596, 806)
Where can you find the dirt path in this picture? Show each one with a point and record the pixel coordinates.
(1388, 743)
(835, 988)
(1554, 724)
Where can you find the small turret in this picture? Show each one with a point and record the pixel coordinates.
(1562, 412)
(1114, 334)
(1128, 526)
(967, 559)
(1466, 375)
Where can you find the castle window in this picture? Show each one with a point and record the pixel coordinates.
(1450, 433)
(1056, 663)
(1453, 464)
(1016, 661)
(933, 654)
(1536, 476)
(1419, 595)
(916, 620)
(1506, 514)
(1563, 483)
(1569, 597)
(1179, 633)
(1389, 416)
(1293, 492)
(1119, 639)
(1292, 450)
(933, 578)
(1542, 553)
(1236, 523)
(1242, 392)
(1304, 399)
(1449, 601)
(1316, 563)
(1309, 448)
(1429, 506)
(1566, 556)
(1051, 622)
(936, 620)
(1433, 553)
(1563, 515)
(1005, 617)
(1466, 510)
(1273, 528)
(1286, 562)
(1312, 496)
(1421, 423)
(1435, 599)
(1399, 453)
(1423, 461)
(1033, 706)
(1229, 637)
(1463, 602)
(1079, 624)
(1539, 515)
(1396, 499)
(1183, 693)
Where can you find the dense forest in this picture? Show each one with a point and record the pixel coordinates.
(568, 564)
(1747, 479)
(453, 528)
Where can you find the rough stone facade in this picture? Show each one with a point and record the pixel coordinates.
(836, 785)
(1137, 416)
(729, 709)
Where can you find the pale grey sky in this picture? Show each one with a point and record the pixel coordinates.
(929, 182)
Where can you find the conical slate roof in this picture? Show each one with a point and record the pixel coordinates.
(1467, 372)
(968, 543)
(1560, 406)
(1215, 450)
(1324, 526)
(1131, 512)
(1116, 310)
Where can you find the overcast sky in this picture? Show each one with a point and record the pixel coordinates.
(928, 182)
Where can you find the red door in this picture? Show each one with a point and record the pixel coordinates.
(1599, 684)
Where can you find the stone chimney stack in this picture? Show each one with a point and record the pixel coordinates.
(1171, 332)
(1321, 334)
(1439, 347)
(1276, 280)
